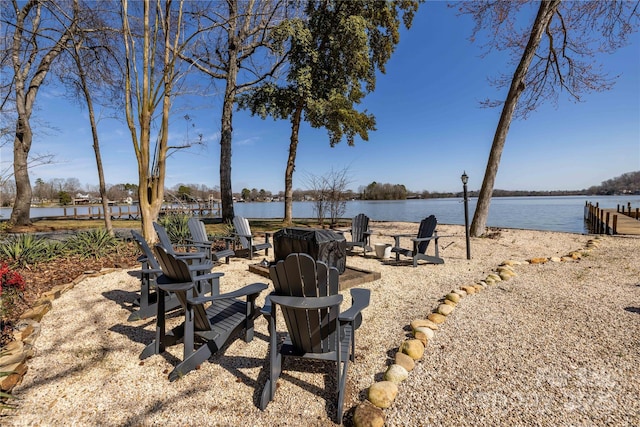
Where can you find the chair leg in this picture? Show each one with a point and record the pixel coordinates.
(191, 362)
(249, 317)
(342, 363)
(275, 364)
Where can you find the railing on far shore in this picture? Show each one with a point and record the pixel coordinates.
(133, 211)
(609, 221)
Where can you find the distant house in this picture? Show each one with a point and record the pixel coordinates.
(81, 199)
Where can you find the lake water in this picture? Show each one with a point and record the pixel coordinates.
(533, 213)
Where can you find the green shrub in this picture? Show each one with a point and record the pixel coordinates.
(21, 250)
(177, 226)
(92, 243)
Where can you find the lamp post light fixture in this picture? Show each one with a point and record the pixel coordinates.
(465, 179)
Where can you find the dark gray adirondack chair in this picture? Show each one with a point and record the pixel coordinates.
(360, 233)
(205, 330)
(150, 272)
(199, 237)
(243, 233)
(198, 257)
(307, 293)
(426, 233)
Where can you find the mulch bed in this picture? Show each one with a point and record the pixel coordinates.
(42, 277)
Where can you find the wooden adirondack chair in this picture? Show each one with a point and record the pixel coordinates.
(150, 271)
(198, 257)
(307, 293)
(204, 330)
(426, 233)
(199, 237)
(360, 233)
(243, 233)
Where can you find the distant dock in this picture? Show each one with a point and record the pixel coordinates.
(622, 220)
(133, 211)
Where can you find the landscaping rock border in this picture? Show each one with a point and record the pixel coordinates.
(381, 394)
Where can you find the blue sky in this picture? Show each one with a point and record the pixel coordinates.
(430, 128)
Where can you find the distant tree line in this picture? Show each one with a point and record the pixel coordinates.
(63, 191)
(628, 183)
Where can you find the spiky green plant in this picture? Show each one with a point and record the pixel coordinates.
(25, 249)
(177, 226)
(92, 243)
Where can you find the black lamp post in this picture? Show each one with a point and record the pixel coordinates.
(465, 179)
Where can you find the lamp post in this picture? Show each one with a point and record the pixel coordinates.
(465, 179)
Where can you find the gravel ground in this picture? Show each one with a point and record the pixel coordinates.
(556, 345)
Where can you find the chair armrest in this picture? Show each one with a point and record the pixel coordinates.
(191, 245)
(207, 276)
(200, 243)
(361, 299)
(151, 270)
(398, 236)
(424, 239)
(311, 303)
(207, 266)
(191, 255)
(252, 289)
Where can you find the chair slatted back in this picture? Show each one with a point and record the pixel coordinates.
(177, 271)
(146, 250)
(427, 227)
(197, 230)
(299, 275)
(163, 237)
(242, 228)
(359, 226)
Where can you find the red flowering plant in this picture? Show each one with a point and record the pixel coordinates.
(11, 288)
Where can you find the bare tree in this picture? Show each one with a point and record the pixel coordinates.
(40, 30)
(151, 74)
(556, 55)
(329, 194)
(235, 49)
(92, 72)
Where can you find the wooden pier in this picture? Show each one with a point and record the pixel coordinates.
(622, 220)
(209, 210)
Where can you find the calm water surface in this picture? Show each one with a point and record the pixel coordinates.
(533, 213)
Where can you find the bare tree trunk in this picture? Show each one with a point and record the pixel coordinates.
(21, 213)
(291, 165)
(150, 196)
(96, 144)
(96, 149)
(226, 192)
(226, 131)
(545, 13)
(150, 175)
(26, 92)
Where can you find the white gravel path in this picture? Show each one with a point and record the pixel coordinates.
(557, 345)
